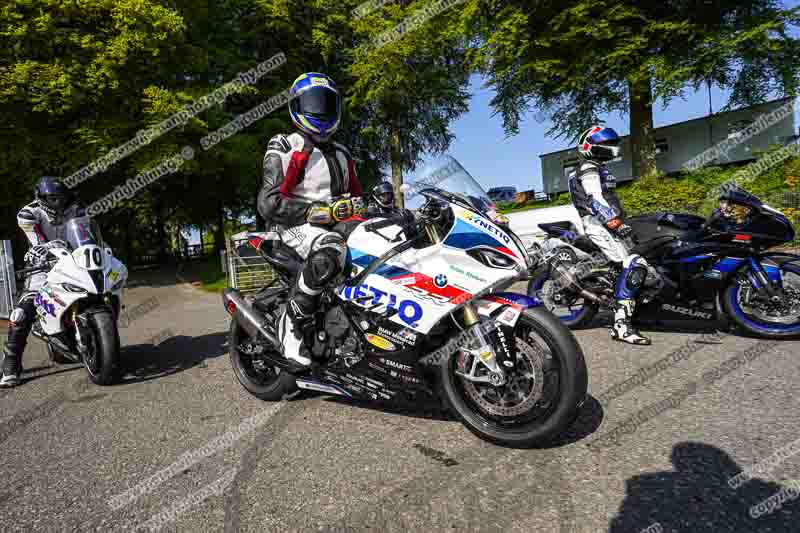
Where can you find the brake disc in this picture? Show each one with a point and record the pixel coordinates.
(521, 391)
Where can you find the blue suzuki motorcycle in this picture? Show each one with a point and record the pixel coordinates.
(716, 270)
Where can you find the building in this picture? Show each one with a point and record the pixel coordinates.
(678, 143)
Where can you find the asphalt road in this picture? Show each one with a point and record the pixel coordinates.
(181, 445)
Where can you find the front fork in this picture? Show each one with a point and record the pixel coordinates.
(759, 280)
(482, 350)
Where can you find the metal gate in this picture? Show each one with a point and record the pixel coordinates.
(247, 270)
(8, 283)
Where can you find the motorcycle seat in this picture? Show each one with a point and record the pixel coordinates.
(647, 247)
(278, 254)
(558, 228)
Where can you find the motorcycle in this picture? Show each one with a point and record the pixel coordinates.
(717, 270)
(421, 313)
(78, 305)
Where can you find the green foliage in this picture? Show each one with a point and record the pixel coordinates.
(577, 60)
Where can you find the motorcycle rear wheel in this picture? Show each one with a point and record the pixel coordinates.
(268, 384)
(573, 317)
(548, 346)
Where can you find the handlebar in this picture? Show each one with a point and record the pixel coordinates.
(31, 270)
(401, 219)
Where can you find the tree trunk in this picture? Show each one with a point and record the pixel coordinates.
(397, 167)
(219, 236)
(643, 146)
(161, 235)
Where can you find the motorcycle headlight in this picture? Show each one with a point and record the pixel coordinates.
(492, 258)
(69, 287)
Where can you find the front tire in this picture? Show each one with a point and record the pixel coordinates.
(749, 323)
(268, 384)
(102, 361)
(564, 382)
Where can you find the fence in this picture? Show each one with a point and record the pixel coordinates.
(8, 283)
(247, 270)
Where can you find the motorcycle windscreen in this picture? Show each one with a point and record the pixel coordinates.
(83, 231)
(446, 174)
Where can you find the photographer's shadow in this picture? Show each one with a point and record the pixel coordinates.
(145, 362)
(697, 497)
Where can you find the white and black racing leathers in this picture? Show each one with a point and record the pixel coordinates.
(591, 189)
(294, 179)
(40, 229)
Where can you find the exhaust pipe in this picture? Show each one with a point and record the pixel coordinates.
(251, 320)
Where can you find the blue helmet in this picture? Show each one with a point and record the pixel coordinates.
(53, 195)
(315, 105)
(599, 143)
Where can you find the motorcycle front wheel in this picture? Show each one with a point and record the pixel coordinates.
(539, 402)
(769, 320)
(103, 347)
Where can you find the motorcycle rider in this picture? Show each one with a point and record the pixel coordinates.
(381, 200)
(304, 173)
(591, 190)
(43, 222)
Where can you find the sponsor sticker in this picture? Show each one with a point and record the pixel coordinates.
(381, 343)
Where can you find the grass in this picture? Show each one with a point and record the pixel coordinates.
(205, 274)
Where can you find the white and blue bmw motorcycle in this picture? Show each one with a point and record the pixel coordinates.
(421, 311)
(78, 305)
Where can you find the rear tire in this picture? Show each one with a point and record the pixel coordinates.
(563, 409)
(263, 385)
(572, 321)
(106, 346)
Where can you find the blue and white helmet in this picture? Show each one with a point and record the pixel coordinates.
(600, 143)
(315, 105)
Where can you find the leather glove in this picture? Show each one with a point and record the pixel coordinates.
(319, 214)
(342, 209)
(625, 231)
(619, 227)
(37, 255)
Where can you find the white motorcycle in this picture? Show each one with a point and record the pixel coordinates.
(78, 305)
(422, 312)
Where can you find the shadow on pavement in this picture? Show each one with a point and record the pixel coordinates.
(696, 497)
(145, 362)
(54, 370)
(425, 408)
(589, 419)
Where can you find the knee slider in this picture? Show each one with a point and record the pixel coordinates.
(322, 266)
(636, 277)
(17, 316)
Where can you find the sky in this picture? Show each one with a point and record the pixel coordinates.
(493, 159)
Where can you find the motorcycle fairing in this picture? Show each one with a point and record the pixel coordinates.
(420, 286)
(489, 304)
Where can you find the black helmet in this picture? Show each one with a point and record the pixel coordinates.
(52, 195)
(383, 195)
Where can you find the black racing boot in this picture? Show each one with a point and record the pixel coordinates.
(12, 370)
(623, 329)
(19, 327)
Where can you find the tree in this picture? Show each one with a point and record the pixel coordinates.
(592, 57)
(406, 93)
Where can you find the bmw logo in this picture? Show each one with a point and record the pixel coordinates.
(440, 280)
